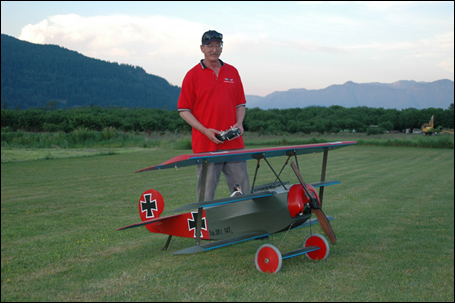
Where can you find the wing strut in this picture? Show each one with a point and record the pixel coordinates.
(324, 167)
(262, 156)
(285, 163)
(277, 176)
(255, 174)
(201, 199)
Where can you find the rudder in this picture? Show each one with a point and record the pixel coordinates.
(151, 205)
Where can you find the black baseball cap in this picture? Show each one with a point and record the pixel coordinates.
(210, 36)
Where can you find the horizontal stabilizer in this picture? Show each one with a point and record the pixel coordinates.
(325, 183)
(221, 243)
(147, 222)
(223, 201)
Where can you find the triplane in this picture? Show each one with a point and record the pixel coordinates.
(271, 208)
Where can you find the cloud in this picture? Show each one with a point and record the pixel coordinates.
(163, 46)
(118, 36)
(35, 33)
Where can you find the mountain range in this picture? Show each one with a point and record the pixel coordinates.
(399, 95)
(32, 75)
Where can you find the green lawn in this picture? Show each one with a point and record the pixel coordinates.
(393, 219)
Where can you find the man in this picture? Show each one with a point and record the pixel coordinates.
(212, 100)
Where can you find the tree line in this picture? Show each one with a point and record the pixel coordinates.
(331, 119)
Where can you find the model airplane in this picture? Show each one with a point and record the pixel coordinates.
(268, 209)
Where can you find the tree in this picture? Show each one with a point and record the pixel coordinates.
(386, 125)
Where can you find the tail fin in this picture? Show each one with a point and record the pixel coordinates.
(151, 205)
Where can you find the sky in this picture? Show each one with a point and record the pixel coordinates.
(276, 46)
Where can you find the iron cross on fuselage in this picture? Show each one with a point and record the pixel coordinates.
(192, 224)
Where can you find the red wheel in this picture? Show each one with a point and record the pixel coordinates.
(268, 259)
(319, 241)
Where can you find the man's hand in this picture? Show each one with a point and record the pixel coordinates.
(229, 134)
(191, 120)
(210, 133)
(239, 126)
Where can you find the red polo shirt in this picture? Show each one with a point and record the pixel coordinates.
(213, 102)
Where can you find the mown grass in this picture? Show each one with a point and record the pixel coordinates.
(21, 146)
(389, 139)
(393, 220)
(112, 138)
(86, 138)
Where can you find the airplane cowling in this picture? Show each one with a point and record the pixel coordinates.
(297, 198)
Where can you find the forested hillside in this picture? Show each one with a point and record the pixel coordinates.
(34, 75)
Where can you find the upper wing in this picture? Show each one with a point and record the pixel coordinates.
(245, 154)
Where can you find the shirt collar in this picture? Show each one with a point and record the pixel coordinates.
(204, 66)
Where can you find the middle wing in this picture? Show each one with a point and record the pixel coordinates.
(253, 196)
(223, 201)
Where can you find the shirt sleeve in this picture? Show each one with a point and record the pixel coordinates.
(187, 94)
(240, 100)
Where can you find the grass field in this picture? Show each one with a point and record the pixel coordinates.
(393, 219)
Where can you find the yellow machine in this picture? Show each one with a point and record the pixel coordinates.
(428, 127)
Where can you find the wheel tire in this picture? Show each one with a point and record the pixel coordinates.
(268, 259)
(319, 241)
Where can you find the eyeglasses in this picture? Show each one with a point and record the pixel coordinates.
(216, 45)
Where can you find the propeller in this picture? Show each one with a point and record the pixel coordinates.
(314, 205)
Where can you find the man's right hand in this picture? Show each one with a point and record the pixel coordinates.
(210, 133)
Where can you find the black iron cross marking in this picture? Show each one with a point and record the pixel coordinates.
(148, 206)
(193, 223)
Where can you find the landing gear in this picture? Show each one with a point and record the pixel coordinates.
(268, 259)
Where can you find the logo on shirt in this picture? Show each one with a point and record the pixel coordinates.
(228, 80)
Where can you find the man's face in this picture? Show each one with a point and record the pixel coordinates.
(212, 51)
